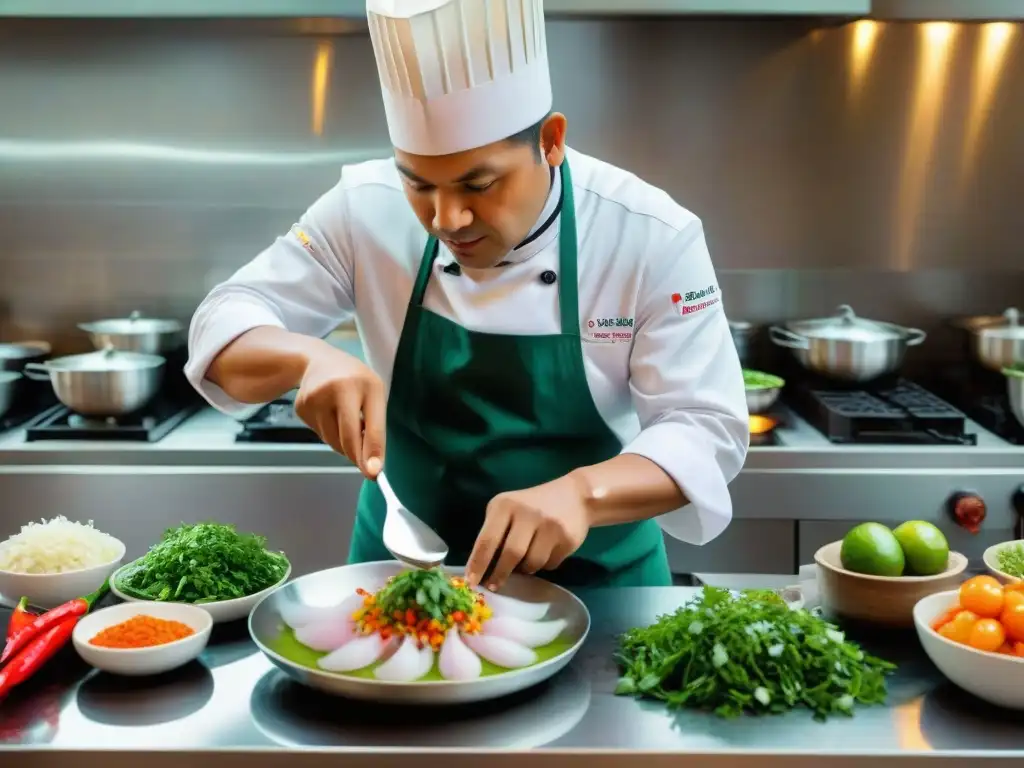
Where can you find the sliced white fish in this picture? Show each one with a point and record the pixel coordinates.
(297, 615)
(532, 634)
(456, 661)
(518, 609)
(501, 652)
(328, 633)
(405, 664)
(355, 654)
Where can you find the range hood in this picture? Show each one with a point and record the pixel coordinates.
(255, 9)
(947, 10)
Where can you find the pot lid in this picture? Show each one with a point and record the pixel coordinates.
(846, 326)
(133, 324)
(21, 351)
(109, 359)
(1008, 328)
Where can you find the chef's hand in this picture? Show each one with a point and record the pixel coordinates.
(535, 529)
(343, 401)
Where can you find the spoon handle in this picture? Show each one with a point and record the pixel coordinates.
(389, 494)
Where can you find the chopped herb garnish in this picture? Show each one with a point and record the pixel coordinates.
(1011, 560)
(203, 563)
(748, 653)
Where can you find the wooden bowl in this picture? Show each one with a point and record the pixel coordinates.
(885, 600)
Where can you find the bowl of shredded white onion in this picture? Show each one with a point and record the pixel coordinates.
(53, 561)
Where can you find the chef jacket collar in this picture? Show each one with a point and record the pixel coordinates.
(542, 233)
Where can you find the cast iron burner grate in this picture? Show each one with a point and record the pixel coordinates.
(276, 423)
(899, 412)
(147, 426)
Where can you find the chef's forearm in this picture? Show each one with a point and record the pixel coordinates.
(627, 488)
(262, 364)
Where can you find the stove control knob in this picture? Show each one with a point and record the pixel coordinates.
(967, 509)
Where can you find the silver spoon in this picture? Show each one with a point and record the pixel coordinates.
(406, 537)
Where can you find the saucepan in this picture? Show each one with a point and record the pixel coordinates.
(8, 386)
(135, 333)
(1015, 390)
(762, 389)
(101, 384)
(742, 336)
(14, 356)
(996, 341)
(847, 347)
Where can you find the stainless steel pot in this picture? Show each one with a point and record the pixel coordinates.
(106, 383)
(16, 355)
(136, 333)
(742, 336)
(8, 384)
(847, 347)
(996, 342)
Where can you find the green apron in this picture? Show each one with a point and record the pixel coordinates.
(471, 415)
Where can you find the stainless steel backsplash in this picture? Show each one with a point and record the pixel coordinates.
(881, 166)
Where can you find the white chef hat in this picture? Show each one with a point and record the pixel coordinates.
(459, 74)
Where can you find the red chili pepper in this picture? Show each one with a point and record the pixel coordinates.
(35, 654)
(77, 607)
(21, 617)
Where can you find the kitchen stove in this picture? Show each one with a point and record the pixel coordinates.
(895, 411)
(983, 396)
(148, 426)
(276, 423)
(29, 405)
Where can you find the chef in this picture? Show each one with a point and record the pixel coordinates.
(550, 380)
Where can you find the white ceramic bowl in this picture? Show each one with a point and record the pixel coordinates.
(996, 678)
(221, 612)
(142, 661)
(991, 559)
(47, 590)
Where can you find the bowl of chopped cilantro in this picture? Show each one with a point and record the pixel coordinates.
(1005, 561)
(210, 565)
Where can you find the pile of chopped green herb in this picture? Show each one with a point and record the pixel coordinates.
(748, 653)
(203, 563)
(430, 592)
(1011, 560)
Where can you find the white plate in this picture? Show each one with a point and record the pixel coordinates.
(331, 586)
(221, 611)
(994, 677)
(142, 661)
(48, 590)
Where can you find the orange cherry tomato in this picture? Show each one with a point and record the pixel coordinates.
(983, 595)
(946, 617)
(1011, 597)
(1012, 620)
(959, 628)
(987, 635)
(1006, 649)
(1018, 649)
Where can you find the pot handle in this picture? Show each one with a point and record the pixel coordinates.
(784, 338)
(915, 336)
(37, 371)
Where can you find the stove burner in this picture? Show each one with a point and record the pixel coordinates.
(148, 426)
(276, 423)
(891, 412)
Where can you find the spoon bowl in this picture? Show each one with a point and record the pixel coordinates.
(406, 537)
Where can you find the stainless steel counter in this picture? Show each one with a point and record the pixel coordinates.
(233, 708)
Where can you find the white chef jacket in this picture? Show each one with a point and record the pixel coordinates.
(660, 361)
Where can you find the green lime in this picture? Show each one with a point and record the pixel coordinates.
(924, 546)
(873, 549)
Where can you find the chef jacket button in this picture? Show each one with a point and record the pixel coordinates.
(453, 269)
(548, 277)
